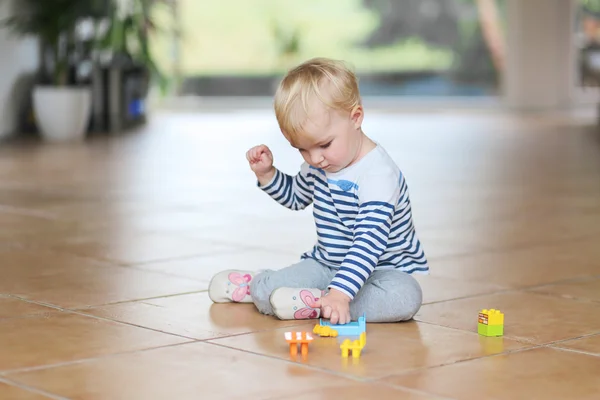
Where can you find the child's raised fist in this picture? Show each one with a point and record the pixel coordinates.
(261, 162)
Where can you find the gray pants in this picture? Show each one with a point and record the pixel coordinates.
(388, 295)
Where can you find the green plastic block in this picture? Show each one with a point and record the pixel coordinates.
(490, 330)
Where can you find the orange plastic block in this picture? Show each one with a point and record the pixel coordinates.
(298, 338)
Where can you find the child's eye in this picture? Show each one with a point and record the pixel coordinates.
(326, 145)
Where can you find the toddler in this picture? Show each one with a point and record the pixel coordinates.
(367, 247)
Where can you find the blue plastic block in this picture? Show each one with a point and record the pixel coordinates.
(349, 329)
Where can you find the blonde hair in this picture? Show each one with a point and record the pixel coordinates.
(331, 82)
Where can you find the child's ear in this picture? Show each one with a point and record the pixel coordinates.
(357, 115)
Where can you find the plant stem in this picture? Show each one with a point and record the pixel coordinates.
(60, 66)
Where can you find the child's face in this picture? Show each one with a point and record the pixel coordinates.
(331, 139)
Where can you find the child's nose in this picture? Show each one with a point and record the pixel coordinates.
(317, 157)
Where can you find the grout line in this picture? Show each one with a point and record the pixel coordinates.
(293, 362)
(55, 248)
(474, 296)
(220, 335)
(77, 312)
(526, 289)
(555, 344)
(31, 389)
(225, 335)
(132, 324)
(488, 250)
(136, 300)
(574, 351)
(565, 297)
(509, 337)
(23, 370)
(464, 361)
(573, 338)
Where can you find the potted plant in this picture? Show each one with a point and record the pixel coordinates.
(62, 107)
(131, 22)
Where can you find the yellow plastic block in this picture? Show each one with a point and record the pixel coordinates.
(354, 345)
(322, 330)
(490, 317)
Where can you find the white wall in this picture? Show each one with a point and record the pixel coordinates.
(540, 54)
(17, 56)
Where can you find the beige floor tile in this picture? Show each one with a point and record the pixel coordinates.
(131, 247)
(153, 219)
(493, 204)
(520, 268)
(193, 316)
(520, 211)
(11, 307)
(529, 317)
(518, 232)
(188, 371)
(435, 248)
(140, 216)
(10, 392)
(541, 373)
(294, 238)
(391, 348)
(60, 337)
(585, 290)
(16, 223)
(589, 344)
(96, 210)
(357, 391)
(204, 267)
(436, 288)
(70, 281)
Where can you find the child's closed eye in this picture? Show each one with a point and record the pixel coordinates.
(326, 145)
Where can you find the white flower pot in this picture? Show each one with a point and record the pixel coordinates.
(62, 113)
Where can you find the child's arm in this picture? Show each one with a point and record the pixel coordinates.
(293, 192)
(378, 197)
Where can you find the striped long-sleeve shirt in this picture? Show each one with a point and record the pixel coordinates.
(363, 218)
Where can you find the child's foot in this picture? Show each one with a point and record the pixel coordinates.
(231, 286)
(293, 303)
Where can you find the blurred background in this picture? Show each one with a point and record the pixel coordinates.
(133, 55)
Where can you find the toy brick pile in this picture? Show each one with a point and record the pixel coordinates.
(490, 322)
(326, 329)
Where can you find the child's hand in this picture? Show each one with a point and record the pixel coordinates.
(336, 306)
(261, 162)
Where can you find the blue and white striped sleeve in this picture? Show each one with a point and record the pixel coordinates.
(293, 192)
(377, 197)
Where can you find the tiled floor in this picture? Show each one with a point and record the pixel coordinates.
(107, 248)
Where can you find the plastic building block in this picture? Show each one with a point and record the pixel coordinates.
(350, 329)
(355, 346)
(298, 338)
(490, 322)
(490, 330)
(324, 331)
(491, 317)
